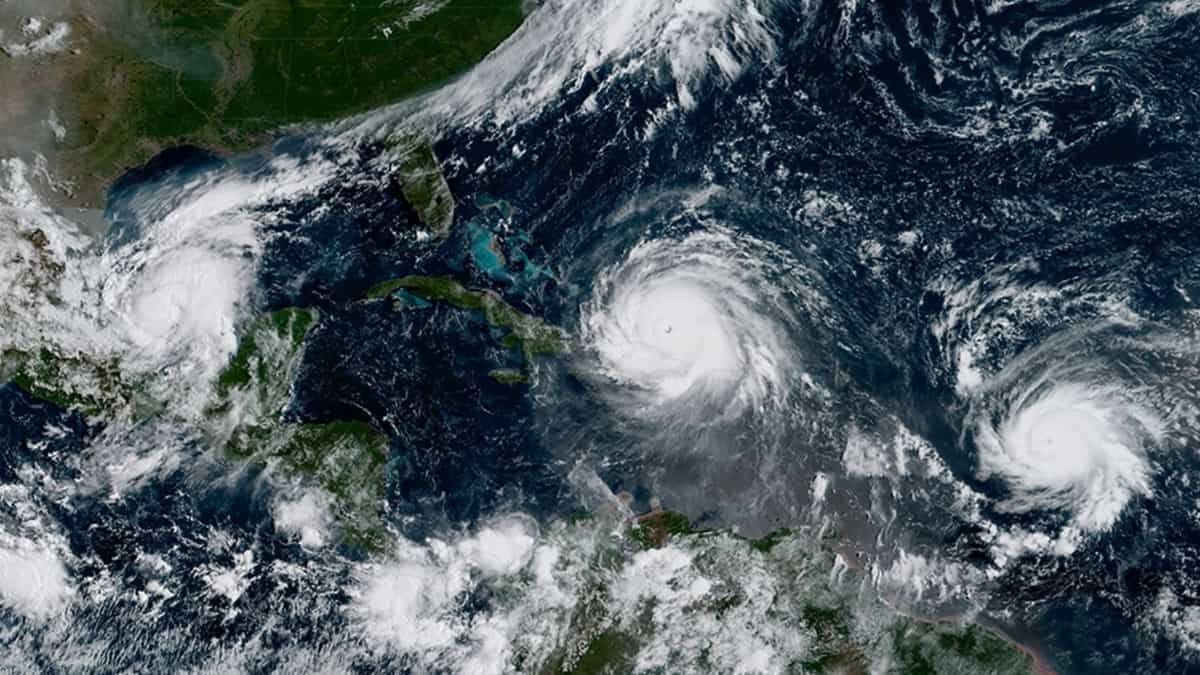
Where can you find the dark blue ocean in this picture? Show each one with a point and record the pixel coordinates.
(1055, 140)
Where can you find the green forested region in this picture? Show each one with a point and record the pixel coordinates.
(156, 73)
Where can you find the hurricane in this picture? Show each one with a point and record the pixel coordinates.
(693, 326)
(1072, 447)
(704, 339)
(1077, 428)
(632, 336)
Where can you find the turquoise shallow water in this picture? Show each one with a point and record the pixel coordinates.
(963, 198)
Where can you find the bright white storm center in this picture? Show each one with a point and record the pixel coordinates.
(693, 325)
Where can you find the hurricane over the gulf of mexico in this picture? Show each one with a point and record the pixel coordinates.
(658, 336)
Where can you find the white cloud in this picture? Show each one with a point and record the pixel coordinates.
(33, 579)
(306, 517)
(500, 549)
(41, 42)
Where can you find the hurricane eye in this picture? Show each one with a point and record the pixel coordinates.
(1072, 447)
(680, 321)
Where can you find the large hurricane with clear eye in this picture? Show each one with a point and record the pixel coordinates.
(697, 326)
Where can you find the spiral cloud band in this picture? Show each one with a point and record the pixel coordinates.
(1072, 440)
(695, 321)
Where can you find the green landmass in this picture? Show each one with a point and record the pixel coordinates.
(344, 458)
(420, 184)
(251, 364)
(771, 540)
(940, 648)
(609, 653)
(509, 376)
(528, 333)
(158, 73)
(846, 631)
(69, 382)
(836, 649)
(657, 527)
